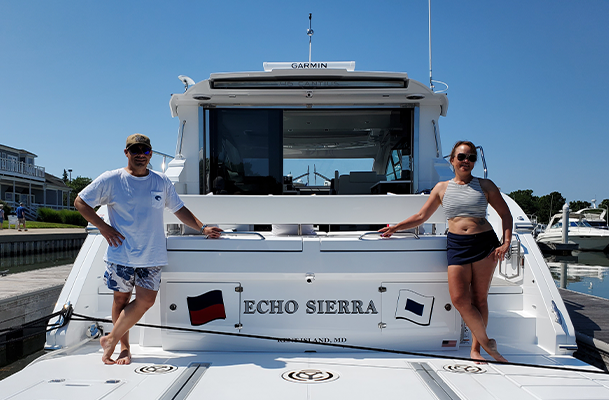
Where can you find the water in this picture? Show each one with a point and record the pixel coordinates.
(584, 272)
(22, 263)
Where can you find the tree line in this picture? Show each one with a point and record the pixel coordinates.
(542, 208)
(76, 184)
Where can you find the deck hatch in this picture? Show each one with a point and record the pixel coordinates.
(182, 386)
(434, 382)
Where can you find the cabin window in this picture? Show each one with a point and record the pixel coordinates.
(298, 151)
(245, 151)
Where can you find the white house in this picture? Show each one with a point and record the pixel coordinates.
(21, 180)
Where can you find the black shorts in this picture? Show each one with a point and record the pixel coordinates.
(466, 249)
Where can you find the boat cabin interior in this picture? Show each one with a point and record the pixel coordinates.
(264, 151)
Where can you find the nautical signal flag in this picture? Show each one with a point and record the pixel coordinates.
(414, 307)
(206, 307)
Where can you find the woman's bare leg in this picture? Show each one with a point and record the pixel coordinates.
(463, 283)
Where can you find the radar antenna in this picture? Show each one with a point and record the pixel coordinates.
(310, 33)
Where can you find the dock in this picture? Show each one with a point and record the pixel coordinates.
(33, 241)
(25, 297)
(591, 322)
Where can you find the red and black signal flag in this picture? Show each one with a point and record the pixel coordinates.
(206, 307)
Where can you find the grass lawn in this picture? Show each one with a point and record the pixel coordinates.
(42, 225)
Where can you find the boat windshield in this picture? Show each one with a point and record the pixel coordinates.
(291, 151)
(574, 224)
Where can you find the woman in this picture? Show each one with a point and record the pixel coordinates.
(472, 245)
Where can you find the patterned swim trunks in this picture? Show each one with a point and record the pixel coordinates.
(122, 279)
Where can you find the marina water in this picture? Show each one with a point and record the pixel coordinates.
(584, 272)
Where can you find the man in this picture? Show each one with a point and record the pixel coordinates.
(136, 197)
(21, 217)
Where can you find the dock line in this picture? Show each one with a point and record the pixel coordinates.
(80, 317)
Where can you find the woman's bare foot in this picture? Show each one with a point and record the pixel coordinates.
(475, 355)
(491, 349)
(124, 358)
(108, 350)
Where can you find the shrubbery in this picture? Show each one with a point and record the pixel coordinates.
(69, 217)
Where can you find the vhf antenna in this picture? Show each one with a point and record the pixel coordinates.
(431, 85)
(310, 33)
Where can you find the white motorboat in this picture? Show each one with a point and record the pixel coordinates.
(596, 216)
(339, 314)
(580, 232)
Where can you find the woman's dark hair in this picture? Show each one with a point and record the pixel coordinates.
(460, 143)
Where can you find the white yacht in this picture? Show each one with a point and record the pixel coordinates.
(596, 216)
(337, 314)
(580, 232)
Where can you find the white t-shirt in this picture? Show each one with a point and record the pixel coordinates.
(135, 209)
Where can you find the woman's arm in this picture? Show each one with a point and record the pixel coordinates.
(431, 205)
(495, 199)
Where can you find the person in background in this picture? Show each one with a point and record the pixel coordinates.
(20, 217)
(472, 245)
(136, 198)
(1, 216)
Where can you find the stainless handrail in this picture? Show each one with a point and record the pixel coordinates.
(514, 257)
(483, 161)
(398, 234)
(243, 234)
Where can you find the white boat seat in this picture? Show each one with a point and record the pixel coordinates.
(358, 182)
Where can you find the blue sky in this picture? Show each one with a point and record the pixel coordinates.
(527, 79)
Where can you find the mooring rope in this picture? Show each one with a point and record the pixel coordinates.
(43, 321)
(80, 317)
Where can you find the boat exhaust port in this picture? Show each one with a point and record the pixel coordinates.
(309, 277)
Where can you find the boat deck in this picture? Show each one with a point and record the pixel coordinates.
(155, 373)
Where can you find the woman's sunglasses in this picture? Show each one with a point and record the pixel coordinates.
(140, 150)
(470, 157)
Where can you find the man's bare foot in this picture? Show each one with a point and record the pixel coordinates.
(108, 350)
(491, 349)
(124, 358)
(475, 355)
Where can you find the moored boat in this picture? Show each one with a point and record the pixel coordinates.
(580, 232)
(338, 313)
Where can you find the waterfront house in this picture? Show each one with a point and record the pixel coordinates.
(21, 180)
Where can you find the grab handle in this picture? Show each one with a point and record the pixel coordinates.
(242, 234)
(363, 236)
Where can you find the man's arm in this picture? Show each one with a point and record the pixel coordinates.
(186, 216)
(113, 237)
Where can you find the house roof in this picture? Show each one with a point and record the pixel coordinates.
(55, 181)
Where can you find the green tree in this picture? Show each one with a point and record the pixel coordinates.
(579, 205)
(549, 205)
(77, 184)
(604, 204)
(64, 177)
(526, 201)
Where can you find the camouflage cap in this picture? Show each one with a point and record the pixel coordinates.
(138, 138)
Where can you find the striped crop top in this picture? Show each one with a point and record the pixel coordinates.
(464, 200)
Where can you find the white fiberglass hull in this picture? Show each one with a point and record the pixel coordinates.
(589, 240)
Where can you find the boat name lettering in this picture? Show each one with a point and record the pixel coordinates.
(312, 307)
(310, 65)
(313, 340)
(308, 83)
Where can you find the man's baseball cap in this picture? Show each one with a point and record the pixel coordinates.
(138, 138)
